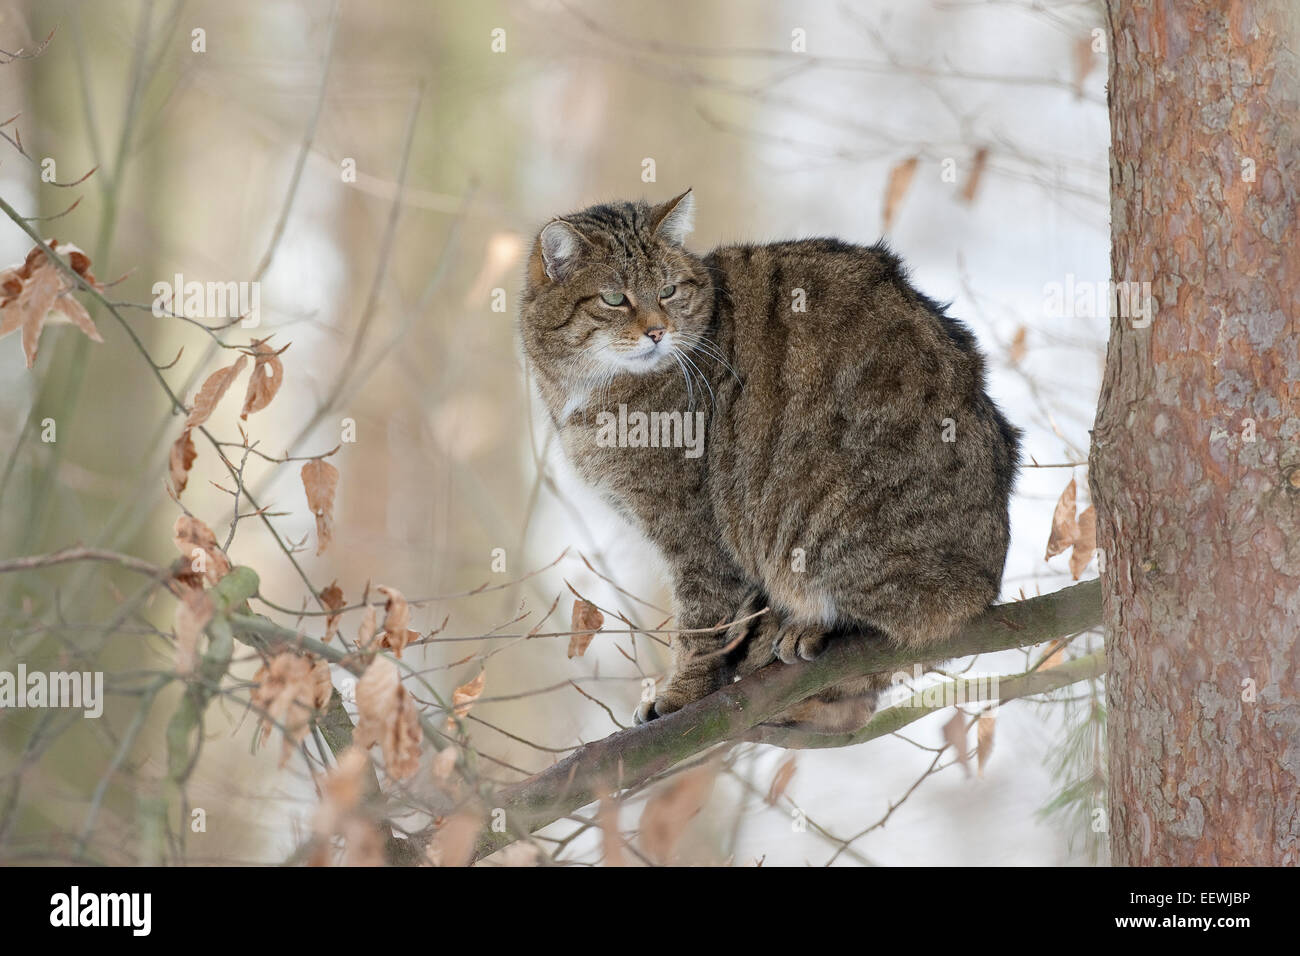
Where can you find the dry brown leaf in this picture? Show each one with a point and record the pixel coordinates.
(397, 615)
(266, 378)
(185, 578)
(289, 690)
(181, 460)
(332, 598)
(38, 291)
(954, 734)
(1083, 60)
(587, 620)
(189, 534)
(1016, 354)
(984, 740)
(611, 835)
(444, 764)
(386, 715)
(900, 177)
(324, 686)
(212, 391)
(340, 791)
(782, 779)
(1065, 527)
(978, 162)
(321, 479)
(193, 611)
(339, 814)
(398, 639)
(519, 854)
(671, 809)
(363, 842)
(1054, 658)
(1085, 544)
(368, 629)
(453, 842)
(463, 697)
(345, 783)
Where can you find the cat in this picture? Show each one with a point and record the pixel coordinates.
(854, 475)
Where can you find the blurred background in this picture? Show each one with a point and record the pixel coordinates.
(380, 169)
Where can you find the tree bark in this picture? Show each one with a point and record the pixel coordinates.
(1195, 466)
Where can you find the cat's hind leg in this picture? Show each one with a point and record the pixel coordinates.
(809, 612)
(799, 642)
(840, 709)
(843, 707)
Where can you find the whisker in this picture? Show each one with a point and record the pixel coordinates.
(690, 391)
(697, 340)
(703, 378)
(694, 371)
(694, 340)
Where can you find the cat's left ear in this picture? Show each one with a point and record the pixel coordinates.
(560, 245)
(674, 219)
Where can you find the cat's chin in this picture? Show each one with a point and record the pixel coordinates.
(643, 362)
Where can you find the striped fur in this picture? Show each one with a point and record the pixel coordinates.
(855, 473)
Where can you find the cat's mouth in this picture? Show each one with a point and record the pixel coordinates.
(645, 358)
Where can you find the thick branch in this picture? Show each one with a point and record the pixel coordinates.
(631, 757)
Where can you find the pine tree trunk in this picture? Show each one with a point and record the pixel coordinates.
(1195, 464)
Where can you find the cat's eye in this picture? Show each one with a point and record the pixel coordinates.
(613, 298)
(667, 291)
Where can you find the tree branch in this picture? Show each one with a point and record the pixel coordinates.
(630, 757)
(894, 719)
(78, 553)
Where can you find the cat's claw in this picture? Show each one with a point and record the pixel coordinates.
(799, 643)
(648, 710)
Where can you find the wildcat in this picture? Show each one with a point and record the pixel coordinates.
(854, 475)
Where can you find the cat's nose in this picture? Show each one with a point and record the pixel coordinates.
(656, 332)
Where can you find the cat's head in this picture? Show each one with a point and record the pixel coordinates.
(612, 290)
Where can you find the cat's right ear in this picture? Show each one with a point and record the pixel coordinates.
(675, 219)
(560, 246)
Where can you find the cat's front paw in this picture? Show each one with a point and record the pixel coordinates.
(799, 642)
(648, 710)
(688, 685)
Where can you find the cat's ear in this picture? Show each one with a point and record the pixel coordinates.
(560, 245)
(674, 219)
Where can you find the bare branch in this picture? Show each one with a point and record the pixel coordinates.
(68, 555)
(630, 757)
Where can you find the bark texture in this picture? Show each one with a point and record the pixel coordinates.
(1195, 465)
